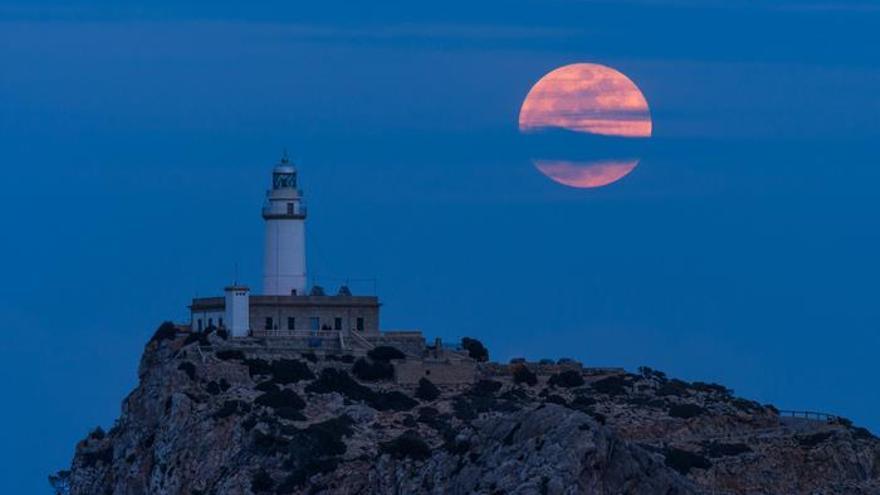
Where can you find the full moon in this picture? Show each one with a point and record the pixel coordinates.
(592, 99)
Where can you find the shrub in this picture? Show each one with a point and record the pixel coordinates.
(814, 439)
(188, 368)
(746, 405)
(649, 372)
(315, 450)
(716, 449)
(485, 387)
(230, 354)
(196, 337)
(522, 374)
(231, 407)
(407, 445)
(291, 413)
(372, 371)
(310, 357)
(97, 434)
(567, 379)
(290, 371)
(860, 433)
(582, 401)
(463, 409)
(60, 482)
(476, 350)
(347, 358)
(333, 380)
(612, 385)
(223, 333)
(385, 353)
(267, 386)
(683, 461)
(258, 367)
(674, 387)
(685, 411)
(711, 388)
(426, 390)
(104, 456)
(166, 331)
(281, 398)
(213, 388)
(261, 481)
(392, 401)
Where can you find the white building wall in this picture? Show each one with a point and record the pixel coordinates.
(238, 311)
(284, 262)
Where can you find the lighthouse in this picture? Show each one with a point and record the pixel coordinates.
(284, 262)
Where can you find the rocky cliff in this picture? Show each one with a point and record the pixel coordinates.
(209, 417)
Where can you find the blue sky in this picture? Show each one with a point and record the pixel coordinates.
(137, 140)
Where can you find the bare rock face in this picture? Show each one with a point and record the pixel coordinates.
(213, 416)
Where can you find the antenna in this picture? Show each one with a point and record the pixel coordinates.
(235, 275)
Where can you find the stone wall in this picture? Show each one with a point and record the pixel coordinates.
(440, 372)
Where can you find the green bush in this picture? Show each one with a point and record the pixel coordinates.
(231, 407)
(385, 353)
(281, 398)
(188, 368)
(674, 387)
(372, 371)
(567, 379)
(230, 354)
(196, 337)
(290, 371)
(258, 367)
(407, 445)
(261, 481)
(683, 461)
(685, 411)
(426, 390)
(166, 331)
(333, 380)
(485, 387)
(104, 456)
(711, 388)
(522, 374)
(392, 401)
(476, 350)
(315, 450)
(715, 449)
(267, 386)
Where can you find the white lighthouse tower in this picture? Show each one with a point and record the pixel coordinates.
(284, 264)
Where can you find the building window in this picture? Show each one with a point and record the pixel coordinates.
(220, 322)
(337, 323)
(290, 208)
(360, 324)
(314, 323)
(291, 323)
(268, 323)
(200, 324)
(210, 322)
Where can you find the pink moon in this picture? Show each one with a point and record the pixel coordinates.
(586, 174)
(591, 99)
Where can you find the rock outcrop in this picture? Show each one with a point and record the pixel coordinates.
(209, 417)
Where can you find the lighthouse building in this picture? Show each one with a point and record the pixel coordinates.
(288, 307)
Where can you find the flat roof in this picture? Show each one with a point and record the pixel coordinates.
(291, 301)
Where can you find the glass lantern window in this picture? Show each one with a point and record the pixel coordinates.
(284, 181)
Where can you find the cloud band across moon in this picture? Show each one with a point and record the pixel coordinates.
(591, 99)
